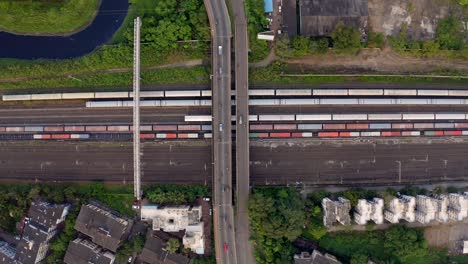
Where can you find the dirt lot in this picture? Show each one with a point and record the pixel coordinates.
(447, 236)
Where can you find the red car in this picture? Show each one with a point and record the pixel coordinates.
(226, 247)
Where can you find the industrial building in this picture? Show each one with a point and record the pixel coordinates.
(178, 218)
(369, 210)
(431, 208)
(336, 211)
(402, 207)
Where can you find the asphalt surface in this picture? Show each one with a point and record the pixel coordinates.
(273, 162)
(225, 243)
(244, 248)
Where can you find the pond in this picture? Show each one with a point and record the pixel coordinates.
(110, 16)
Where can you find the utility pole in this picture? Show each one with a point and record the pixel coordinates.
(136, 109)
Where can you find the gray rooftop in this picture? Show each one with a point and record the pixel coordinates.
(47, 214)
(7, 253)
(154, 253)
(315, 258)
(104, 227)
(81, 251)
(34, 239)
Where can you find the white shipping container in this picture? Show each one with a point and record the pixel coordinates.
(350, 117)
(450, 116)
(192, 135)
(276, 117)
(384, 116)
(314, 117)
(418, 116)
(354, 134)
(208, 135)
(307, 134)
(253, 118)
(198, 118)
(309, 126)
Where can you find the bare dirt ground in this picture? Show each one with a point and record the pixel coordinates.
(376, 60)
(447, 235)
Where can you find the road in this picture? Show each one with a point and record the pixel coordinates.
(244, 248)
(225, 243)
(273, 162)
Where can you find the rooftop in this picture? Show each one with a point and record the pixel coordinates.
(154, 252)
(104, 227)
(48, 214)
(81, 251)
(315, 258)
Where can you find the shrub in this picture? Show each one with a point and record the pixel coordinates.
(345, 38)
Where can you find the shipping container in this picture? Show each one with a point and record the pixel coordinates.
(164, 127)
(352, 117)
(450, 116)
(444, 125)
(334, 126)
(418, 116)
(391, 133)
(53, 129)
(253, 135)
(384, 116)
(14, 129)
(280, 135)
(261, 127)
(284, 127)
(309, 126)
(34, 129)
(263, 135)
(74, 128)
(188, 127)
(314, 117)
(147, 136)
(328, 134)
(79, 136)
(60, 136)
(118, 128)
(370, 134)
(161, 135)
(433, 133)
(207, 135)
(380, 126)
(357, 126)
(198, 118)
(206, 127)
(2, 129)
(410, 133)
(461, 125)
(253, 118)
(42, 136)
(453, 133)
(423, 125)
(171, 135)
(402, 125)
(465, 132)
(276, 118)
(96, 128)
(307, 134)
(345, 134)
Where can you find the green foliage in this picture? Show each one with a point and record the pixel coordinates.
(398, 244)
(413, 190)
(283, 47)
(399, 42)
(450, 33)
(256, 23)
(354, 194)
(174, 194)
(430, 47)
(319, 45)
(277, 217)
(46, 17)
(358, 259)
(172, 245)
(345, 38)
(375, 40)
(134, 246)
(211, 260)
(463, 2)
(301, 45)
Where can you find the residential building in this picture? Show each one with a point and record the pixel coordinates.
(155, 252)
(320, 17)
(82, 251)
(105, 227)
(457, 206)
(175, 219)
(401, 208)
(7, 253)
(369, 210)
(336, 211)
(315, 258)
(40, 227)
(431, 208)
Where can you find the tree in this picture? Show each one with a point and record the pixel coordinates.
(449, 33)
(399, 42)
(283, 47)
(172, 245)
(345, 38)
(358, 259)
(375, 40)
(301, 45)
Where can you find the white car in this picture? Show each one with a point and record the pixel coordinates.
(220, 127)
(220, 50)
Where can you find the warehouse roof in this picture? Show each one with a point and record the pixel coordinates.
(105, 227)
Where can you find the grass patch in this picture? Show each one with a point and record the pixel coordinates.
(195, 75)
(46, 17)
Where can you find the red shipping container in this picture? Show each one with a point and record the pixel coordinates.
(334, 126)
(14, 129)
(171, 135)
(74, 128)
(423, 125)
(280, 135)
(461, 125)
(96, 128)
(118, 128)
(188, 127)
(357, 126)
(261, 127)
(53, 129)
(146, 136)
(164, 128)
(46, 136)
(60, 136)
(390, 133)
(402, 125)
(453, 133)
(345, 134)
(296, 134)
(263, 135)
(328, 134)
(285, 126)
(2, 129)
(182, 135)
